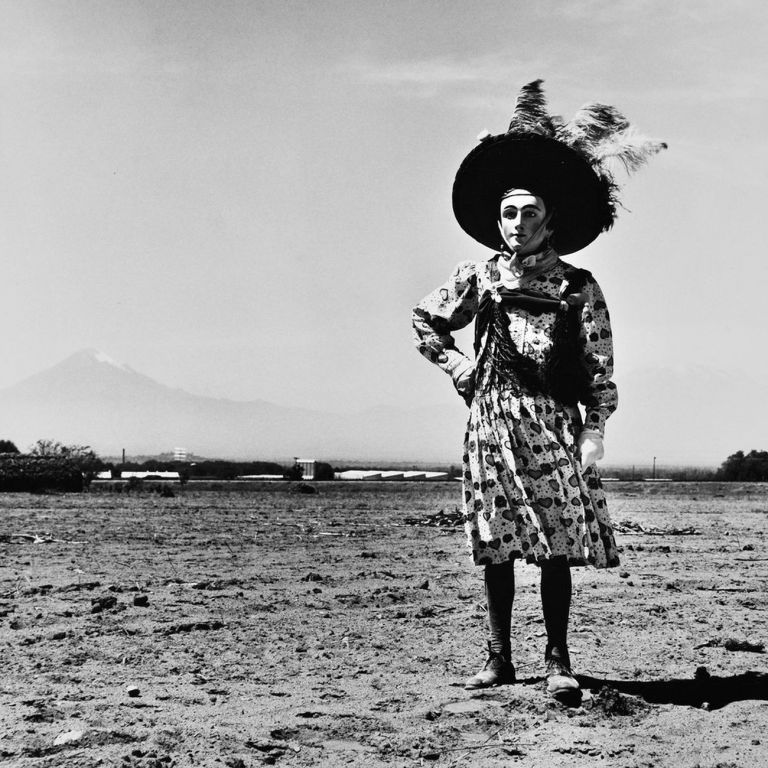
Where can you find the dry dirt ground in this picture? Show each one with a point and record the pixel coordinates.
(265, 626)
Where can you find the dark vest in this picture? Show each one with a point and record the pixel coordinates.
(562, 374)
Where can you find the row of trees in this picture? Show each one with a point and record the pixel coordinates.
(741, 467)
(81, 455)
(49, 465)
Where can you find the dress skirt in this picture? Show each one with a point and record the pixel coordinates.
(525, 493)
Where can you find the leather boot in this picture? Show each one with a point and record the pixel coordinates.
(560, 680)
(498, 670)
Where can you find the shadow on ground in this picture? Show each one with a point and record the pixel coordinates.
(714, 691)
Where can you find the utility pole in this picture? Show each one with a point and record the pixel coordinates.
(654, 467)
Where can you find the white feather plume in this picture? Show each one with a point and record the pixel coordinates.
(630, 148)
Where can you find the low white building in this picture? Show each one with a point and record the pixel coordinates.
(358, 474)
(144, 474)
(389, 474)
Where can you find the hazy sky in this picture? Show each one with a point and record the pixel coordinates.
(245, 199)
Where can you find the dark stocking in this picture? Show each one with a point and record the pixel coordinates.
(556, 605)
(500, 593)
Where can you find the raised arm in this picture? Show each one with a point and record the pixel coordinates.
(448, 308)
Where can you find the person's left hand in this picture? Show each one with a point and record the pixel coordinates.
(591, 448)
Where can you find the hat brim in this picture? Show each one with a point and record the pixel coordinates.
(545, 167)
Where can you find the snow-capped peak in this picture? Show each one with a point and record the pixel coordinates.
(97, 356)
(102, 357)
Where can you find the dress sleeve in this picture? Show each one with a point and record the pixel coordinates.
(448, 308)
(598, 358)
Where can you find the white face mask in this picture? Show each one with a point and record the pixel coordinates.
(523, 220)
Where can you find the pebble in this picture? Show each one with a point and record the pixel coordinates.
(68, 737)
(141, 601)
(133, 691)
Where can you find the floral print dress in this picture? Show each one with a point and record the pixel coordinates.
(526, 494)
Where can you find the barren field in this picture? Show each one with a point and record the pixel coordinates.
(242, 627)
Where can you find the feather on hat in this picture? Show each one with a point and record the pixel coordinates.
(568, 164)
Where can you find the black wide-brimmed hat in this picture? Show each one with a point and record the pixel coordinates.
(567, 164)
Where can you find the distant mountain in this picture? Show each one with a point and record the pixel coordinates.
(682, 416)
(92, 400)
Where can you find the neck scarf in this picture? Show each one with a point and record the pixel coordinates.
(515, 272)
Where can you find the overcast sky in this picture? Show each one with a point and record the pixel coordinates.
(245, 199)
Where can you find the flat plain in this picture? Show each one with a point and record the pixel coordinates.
(243, 626)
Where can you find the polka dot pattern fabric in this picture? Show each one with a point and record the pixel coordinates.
(526, 495)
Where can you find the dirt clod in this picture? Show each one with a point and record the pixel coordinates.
(613, 704)
(103, 603)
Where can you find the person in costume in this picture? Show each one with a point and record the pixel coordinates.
(543, 348)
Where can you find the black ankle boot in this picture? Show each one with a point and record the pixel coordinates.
(560, 680)
(498, 670)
